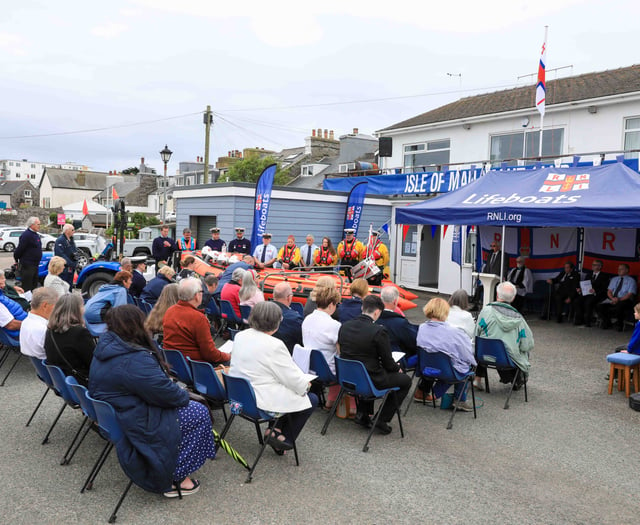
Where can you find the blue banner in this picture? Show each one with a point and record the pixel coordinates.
(355, 204)
(456, 246)
(261, 205)
(439, 181)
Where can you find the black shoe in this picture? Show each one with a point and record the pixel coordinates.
(363, 420)
(383, 428)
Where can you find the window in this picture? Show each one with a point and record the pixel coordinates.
(27, 194)
(10, 163)
(307, 171)
(46, 202)
(33, 175)
(432, 155)
(410, 241)
(17, 175)
(17, 164)
(514, 146)
(33, 165)
(632, 136)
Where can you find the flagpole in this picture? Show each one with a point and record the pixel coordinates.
(541, 99)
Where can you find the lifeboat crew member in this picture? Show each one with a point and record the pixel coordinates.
(186, 243)
(240, 244)
(216, 243)
(266, 254)
(380, 254)
(289, 254)
(350, 251)
(326, 254)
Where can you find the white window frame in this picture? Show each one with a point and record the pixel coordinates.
(426, 147)
(626, 132)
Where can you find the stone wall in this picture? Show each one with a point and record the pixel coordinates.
(22, 214)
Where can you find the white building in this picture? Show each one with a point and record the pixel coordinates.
(591, 115)
(12, 169)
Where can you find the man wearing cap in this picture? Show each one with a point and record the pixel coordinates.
(186, 243)
(240, 244)
(350, 250)
(307, 251)
(216, 243)
(289, 254)
(266, 254)
(380, 254)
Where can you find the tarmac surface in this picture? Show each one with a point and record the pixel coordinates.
(566, 456)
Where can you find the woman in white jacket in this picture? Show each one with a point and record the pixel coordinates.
(279, 384)
(53, 279)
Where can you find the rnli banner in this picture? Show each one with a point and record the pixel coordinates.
(546, 249)
(355, 204)
(261, 205)
(612, 246)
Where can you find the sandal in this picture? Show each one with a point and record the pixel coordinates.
(177, 492)
(276, 443)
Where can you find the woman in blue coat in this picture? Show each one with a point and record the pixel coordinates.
(154, 287)
(166, 436)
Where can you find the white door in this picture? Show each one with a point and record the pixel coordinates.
(407, 250)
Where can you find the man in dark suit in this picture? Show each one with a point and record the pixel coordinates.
(497, 261)
(360, 339)
(402, 334)
(28, 254)
(584, 305)
(65, 247)
(290, 329)
(565, 284)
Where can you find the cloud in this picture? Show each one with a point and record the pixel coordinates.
(109, 30)
(12, 44)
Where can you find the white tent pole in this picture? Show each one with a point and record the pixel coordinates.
(504, 229)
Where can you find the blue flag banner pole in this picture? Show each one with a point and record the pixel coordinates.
(355, 205)
(261, 204)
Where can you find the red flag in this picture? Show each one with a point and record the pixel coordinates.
(85, 208)
(114, 193)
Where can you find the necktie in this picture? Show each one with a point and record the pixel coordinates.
(493, 259)
(264, 253)
(618, 287)
(308, 255)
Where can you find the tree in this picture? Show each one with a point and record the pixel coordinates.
(250, 168)
(131, 171)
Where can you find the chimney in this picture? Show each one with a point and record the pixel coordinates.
(331, 134)
(326, 133)
(355, 131)
(319, 133)
(109, 172)
(141, 160)
(313, 132)
(229, 153)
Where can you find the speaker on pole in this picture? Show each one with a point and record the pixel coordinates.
(385, 147)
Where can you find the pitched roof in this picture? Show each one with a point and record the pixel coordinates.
(80, 180)
(569, 89)
(9, 187)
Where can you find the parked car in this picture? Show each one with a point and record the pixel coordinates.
(9, 239)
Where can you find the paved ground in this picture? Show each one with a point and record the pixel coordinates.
(567, 456)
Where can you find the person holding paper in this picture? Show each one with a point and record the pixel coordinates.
(362, 340)
(593, 290)
(278, 383)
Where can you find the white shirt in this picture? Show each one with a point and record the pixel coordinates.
(304, 250)
(32, 333)
(5, 316)
(56, 283)
(320, 332)
(272, 252)
(462, 319)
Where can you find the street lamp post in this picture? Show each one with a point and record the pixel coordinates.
(166, 155)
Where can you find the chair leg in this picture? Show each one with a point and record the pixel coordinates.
(88, 484)
(226, 427)
(11, 369)
(264, 445)
(612, 371)
(526, 397)
(332, 411)
(627, 381)
(473, 398)
(65, 459)
(259, 432)
(224, 413)
(112, 518)
(46, 438)
(411, 396)
(399, 418)
(636, 378)
(515, 379)
(38, 406)
(486, 381)
(375, 422)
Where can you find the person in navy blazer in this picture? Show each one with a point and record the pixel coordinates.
(138, 281)
(290, 329)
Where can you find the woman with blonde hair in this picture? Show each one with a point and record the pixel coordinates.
(168, 297)
(352, 308)
(323, 282)
(53, 279)
(249, 293)
(154, 287)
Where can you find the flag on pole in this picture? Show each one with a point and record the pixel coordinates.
(385, 228)
(85, 208)
(261, 203)
(541, 86)
(456, 245)
(114, 193)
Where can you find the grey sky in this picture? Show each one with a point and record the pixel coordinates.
(76, 65)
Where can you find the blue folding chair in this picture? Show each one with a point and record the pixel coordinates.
(111, 430)
(59, 380)
(491, 353)
(297, 307)
(436, 366)
(242, 402)
(207, 384)
(354, 380)
(179, 366)
(229, 314)
(43, 375)
(245, 310)
(145, 306)
(10, 345)
(320, 367)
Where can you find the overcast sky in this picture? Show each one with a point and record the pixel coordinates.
(141, 72)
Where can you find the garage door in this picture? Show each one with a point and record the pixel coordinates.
(203, 225)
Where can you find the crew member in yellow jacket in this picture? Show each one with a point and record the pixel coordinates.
(380, 254)
(350, 250)
(289, 254)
